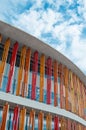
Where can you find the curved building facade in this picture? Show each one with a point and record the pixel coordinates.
(40, 89)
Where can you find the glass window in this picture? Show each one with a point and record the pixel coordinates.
(9, 121)
(37, 94)
(0, 116)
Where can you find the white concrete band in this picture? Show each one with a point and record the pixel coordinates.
(30, 104)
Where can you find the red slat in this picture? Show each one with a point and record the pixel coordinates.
(49, 74)
(56, 123)
(34, 75)
(15, 118)
(12, 66)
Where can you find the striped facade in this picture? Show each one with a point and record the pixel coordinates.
(38, 90)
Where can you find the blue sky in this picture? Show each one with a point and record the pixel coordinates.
(59, 23)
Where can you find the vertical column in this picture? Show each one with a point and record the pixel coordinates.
(22, 119)
(42, 74)
(21, 71)
(32, 120)
(56, 123)
(34, 75)
(66, 87)
(69, 124)
(0, 38)
(15, 118)
(4, 59)
(69, 92)
(80, 102)
(72, 93)
(49, 122)
(77, 107)
(61, 85)
(49, 74)
(12, 67)
(40, 121)
(74, 84)
(84, 89)
(63, 124)
(4, 117)
(26, 73)
(55, 69)
(81, 99)
(78, 95)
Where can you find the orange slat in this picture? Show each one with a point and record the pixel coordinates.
(74, 84)
(0, 38)
(55, 69)
(42, 72)
(32, 120)
(22, 119)
(21, 71)
(64, 124)
(66, 76)
(4, 59)
(40, 120)
(4, 117)
(49, 122)
(26, 73)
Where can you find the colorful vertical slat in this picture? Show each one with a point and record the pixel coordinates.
(0, 38)
(69, 124)
(66, 86)
(12, 67)
(21, 71)
(26, 73)
(15, 118)
(63, 123)
(74, 84)
(56, 123)
(49, 74)
(72, 92)
(42, 72)
(22, 119)
(49, 122)
(55, 69)
(4, 59)
(69, 93)
(4, 117)
(34, 75)
(32, 120)
(40, 120)
(61, 85)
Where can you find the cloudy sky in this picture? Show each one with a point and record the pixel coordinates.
(59, 23)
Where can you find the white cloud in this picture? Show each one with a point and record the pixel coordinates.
(68, 32)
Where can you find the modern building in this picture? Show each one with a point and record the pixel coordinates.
(40, 89)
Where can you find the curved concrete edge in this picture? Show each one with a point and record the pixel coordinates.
(23, 38)
(30, 104)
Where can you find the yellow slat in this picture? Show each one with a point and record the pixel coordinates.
(4, 59)
(55, 83)
(42, 72)
(0, 38)
(49, 122)
(21, 71)
(26, 73)
(40, 120)
(22, 119)
(4, 117)
(32, 120)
